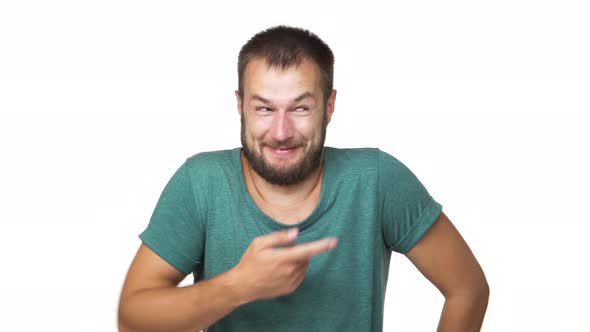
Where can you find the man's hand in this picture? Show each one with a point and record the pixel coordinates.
(268, 272)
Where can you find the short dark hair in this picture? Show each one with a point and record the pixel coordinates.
(284, 46)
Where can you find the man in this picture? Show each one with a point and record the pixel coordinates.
(285, 234)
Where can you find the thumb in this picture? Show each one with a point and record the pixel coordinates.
(279, 238)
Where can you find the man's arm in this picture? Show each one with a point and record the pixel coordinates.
(445, 259)
(150, 300)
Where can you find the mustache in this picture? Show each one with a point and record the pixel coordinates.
(282, 145)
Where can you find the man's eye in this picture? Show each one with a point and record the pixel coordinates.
(263, 109)
(302, 109)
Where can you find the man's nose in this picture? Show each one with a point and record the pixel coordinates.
(282, 127)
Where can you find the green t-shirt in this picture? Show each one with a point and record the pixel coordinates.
(205, 220)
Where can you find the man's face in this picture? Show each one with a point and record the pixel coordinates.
(283, 120)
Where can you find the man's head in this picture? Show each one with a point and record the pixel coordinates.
(285, 101)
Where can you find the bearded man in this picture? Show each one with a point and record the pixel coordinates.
(284, 233)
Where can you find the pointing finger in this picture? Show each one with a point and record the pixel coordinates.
(307, 250)
(277, 238)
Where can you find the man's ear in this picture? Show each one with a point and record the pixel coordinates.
(239, 101)
(331, 105)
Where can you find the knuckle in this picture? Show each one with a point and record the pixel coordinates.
(294, 270)
(256, 242)
(289, 270)
(297, 283)
(292, 287)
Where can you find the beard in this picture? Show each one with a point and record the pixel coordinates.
(292, 174)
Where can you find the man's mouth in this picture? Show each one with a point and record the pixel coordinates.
(284, 150)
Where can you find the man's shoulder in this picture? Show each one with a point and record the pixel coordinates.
(364, 154)
(363, 158)
(351, 152)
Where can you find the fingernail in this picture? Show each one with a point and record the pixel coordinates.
(292, 233)
(333, 243)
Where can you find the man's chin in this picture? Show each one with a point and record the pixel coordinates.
(282, 166)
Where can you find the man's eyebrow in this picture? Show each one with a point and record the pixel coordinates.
(297, 99)
(303, 96)
(257, 97)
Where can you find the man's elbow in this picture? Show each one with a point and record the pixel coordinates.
(121, 326)
(486, 288)
(122, 321)
(481, 294)
(482, 288)
(478, 292)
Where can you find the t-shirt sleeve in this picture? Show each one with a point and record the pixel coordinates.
(407, 209)
(175, 231)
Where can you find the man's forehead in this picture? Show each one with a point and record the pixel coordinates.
(297, 97)
(274, 84)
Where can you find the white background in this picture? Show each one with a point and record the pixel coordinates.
(487, 103)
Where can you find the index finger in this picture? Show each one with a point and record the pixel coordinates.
(309, 249)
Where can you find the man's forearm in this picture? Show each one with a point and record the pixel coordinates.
(182, 309)
(464, 313)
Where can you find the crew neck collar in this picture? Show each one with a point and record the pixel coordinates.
(265, 219)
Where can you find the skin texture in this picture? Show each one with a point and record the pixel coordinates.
(444, 258)
(150, 299)
(273, 113)
(282, 109)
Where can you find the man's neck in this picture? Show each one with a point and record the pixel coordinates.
(282, 197)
